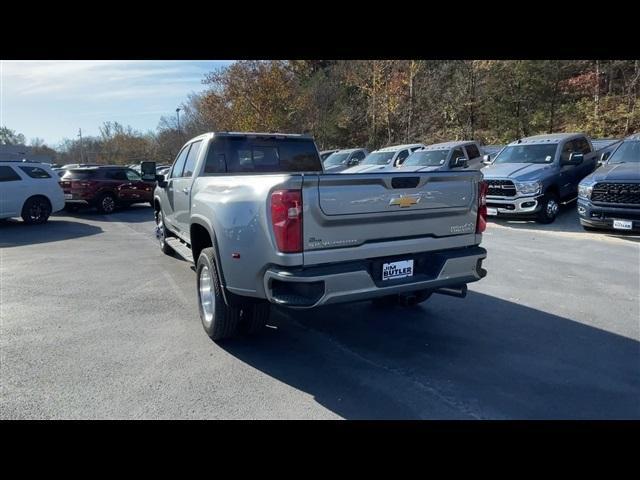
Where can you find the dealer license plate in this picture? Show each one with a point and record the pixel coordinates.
(395, 270)
(623, 224)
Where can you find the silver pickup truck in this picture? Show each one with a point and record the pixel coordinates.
(265, 225)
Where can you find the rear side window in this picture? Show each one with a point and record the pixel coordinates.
(8, 174)
(215, 162)
(79, 174)
(35, 172)
(178, 165)
(133, 176)
(116, 175)
(266, 155)
(191, 159)
(472, 151)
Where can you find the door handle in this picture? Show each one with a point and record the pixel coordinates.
(185, 190)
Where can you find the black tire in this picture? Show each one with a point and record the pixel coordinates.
(219, 320)
(255, 317)
(162, 234)
(106, 203)
(550, 207)
(36, 210)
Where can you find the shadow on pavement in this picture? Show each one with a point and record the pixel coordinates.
(567, 221)
(15, 233)
(482, 357)
(138, 213)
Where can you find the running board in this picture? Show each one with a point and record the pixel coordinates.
(180, 248)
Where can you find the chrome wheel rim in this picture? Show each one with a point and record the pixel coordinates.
(108, 204)
(160, 229)
(206, 295)
(552, 208)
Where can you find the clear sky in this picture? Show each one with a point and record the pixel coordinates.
(52, 99)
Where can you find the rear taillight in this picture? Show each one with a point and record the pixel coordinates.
(286, 219)
(481, 222)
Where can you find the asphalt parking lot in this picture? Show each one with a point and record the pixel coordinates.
(97, 323)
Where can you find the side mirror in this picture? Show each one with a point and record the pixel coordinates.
(459, 162)
(574, 159)
(486, 159)
(603, 158)
(162, 182)
(148, 171)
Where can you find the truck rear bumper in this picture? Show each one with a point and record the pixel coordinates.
(361, 280)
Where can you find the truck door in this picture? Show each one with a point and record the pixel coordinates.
(568, 184)
(589, 162)
(175, 174)
(182, 189)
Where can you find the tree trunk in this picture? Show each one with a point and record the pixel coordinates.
(632, 97)
(596, 96)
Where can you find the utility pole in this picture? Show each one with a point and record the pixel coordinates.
(81, 146)
(178, 115)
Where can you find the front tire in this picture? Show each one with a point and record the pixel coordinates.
(549, 210)
(219, 320)
(162, 234)
(36, 210)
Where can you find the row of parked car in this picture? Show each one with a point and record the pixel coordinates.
(529, 178)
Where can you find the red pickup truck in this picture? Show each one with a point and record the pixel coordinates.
(105, 187)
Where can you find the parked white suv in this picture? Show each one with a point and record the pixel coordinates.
(29, 190)
(385, 158)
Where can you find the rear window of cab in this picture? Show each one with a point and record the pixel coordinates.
(262, 155)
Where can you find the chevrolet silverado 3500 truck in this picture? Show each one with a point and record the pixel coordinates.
(265, 225)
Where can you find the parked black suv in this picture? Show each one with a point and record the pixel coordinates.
(609, 198)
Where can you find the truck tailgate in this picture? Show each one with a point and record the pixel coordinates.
(358, 216)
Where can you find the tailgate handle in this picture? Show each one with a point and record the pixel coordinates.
(405, 182)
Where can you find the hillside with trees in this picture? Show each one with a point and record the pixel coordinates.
(374, 103)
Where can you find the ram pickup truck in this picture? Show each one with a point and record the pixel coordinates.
(609, 198)
(265, 225)
(533, 176)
